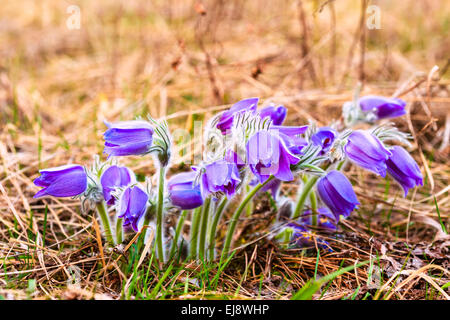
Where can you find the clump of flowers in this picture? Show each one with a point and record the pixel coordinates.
(247, 151)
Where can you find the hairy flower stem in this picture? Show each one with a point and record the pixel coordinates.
(195, 221)
(236, 216)
(303, 196)
(204, 228)
(180, 225)
(159, 214)
(101, 210)
(212, 232)
(119, 230)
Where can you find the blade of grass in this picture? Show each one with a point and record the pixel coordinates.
(312, 286)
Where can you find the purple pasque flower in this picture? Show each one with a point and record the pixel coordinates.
(324, 137)
(402, 167)
(62, 181)
(220, 176)
(113, 177)
(276, 114)
(337, 193)
(226, 119)
(132, 206)
(382, 107)
(128, 138)
(325, 218)
(184, 192)
(367, 151)
(267, 154)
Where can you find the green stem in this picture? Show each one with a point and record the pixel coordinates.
(249, 208)
(213, 230)
(204, 228)
(178, 232)
(340, 164)
(303, 195)
(195, 221)
(313, 199)
(159, 214)
(236, 216)
(119, 230)
(101, 210)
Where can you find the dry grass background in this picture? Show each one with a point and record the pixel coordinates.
(184, 60)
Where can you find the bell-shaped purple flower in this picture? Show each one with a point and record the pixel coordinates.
(183, 192)
(114, 177)
(276, 114)
(367, 151)
(382, 107)
(325, 219)
(128, 138)
(402, 167)
(324, 137)
(337, 193)
(226, 119)
(63, 181)
(132, 206)
(220, 176)
(267, 154)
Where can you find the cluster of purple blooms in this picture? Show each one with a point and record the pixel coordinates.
(256, 149)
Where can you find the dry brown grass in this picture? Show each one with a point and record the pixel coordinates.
(175, 59)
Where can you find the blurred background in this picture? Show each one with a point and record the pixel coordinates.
(74, 61)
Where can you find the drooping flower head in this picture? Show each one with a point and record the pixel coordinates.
(325, 219)
(324, 137)
(220, 176)
(402, 167)
(367, 151)
(226, 119)
(62, 181)
(276, 114)
(337, 193)
(128, 138)
(132, 206)
(113, 177)
(184, 192)
(382, 107)
(267, 154)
